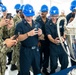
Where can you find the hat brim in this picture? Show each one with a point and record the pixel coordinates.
(29, 14)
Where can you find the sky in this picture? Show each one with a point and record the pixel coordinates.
(61, 4)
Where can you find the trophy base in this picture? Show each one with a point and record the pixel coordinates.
(73, 72)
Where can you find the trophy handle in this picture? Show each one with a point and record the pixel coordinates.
(65, 28)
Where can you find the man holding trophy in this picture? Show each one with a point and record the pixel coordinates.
(56, 49)
(71, 21)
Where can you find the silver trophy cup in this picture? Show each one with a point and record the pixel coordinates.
(70, 32)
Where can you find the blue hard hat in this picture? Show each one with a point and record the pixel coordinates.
(4, 8)
(17, 7)
(1, 5)
(54, 10)
(72, 8)
(28, 10)
(73, 5)
(44, 8)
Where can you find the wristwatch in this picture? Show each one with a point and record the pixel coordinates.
(27, 34)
